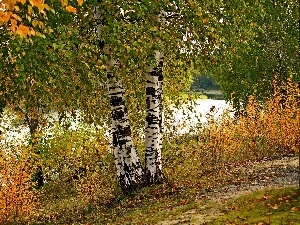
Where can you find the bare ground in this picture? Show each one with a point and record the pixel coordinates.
(260, 175)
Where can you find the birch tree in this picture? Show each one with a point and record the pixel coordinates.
(132, 18)
(146, 47)
(129, 168)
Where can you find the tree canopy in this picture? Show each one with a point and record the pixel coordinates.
(57, 63)
(57, 70)
(249, 65)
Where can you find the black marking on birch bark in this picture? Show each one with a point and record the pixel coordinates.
(151, 119)
(151, 91)
(115, 139)
(110, 75)
(116, 100)
(125, 131)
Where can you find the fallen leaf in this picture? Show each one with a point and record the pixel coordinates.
(294, 209)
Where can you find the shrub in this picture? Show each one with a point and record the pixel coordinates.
(18, 200)
(269, 129)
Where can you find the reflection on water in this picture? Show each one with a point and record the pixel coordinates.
(190, 115)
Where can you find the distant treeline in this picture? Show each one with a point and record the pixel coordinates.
(204, 83)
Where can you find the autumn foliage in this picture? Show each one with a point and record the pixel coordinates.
(18, 200)
(80, 173)
(264, 130)
(271, 128)
(19, 16)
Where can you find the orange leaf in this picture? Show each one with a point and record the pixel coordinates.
(80, 2)
(13, 25)
(294, 209)
(22, 30)
(71, 9)
(4, 17)
(16, 17)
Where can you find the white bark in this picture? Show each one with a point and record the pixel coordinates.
(153, 129)
(129, 168)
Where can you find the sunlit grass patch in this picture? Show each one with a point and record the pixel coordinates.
(274, 206)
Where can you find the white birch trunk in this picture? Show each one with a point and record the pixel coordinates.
(129, 169)
(153, 129)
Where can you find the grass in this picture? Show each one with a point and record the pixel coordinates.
(275, 206)
(153, 205)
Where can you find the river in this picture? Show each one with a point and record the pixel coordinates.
(183, 120)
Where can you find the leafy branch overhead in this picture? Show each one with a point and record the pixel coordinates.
(21, 17)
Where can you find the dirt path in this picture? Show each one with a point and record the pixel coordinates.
(258, 176)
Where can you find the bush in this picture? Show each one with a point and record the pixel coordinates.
(18, 200)
(269, 129)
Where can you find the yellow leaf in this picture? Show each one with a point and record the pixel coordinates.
(32, 32)
(17, 8)
(127, 46)
(155, 28)
(28, 18)
(35, 23)
(260, 223)
(22, 1)
(38, 3)
(71, 9)
(29, 9)
(80, 2)
(47, 7)
(64, 2)
(39, 34)
(199, 13)
(204, 20)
